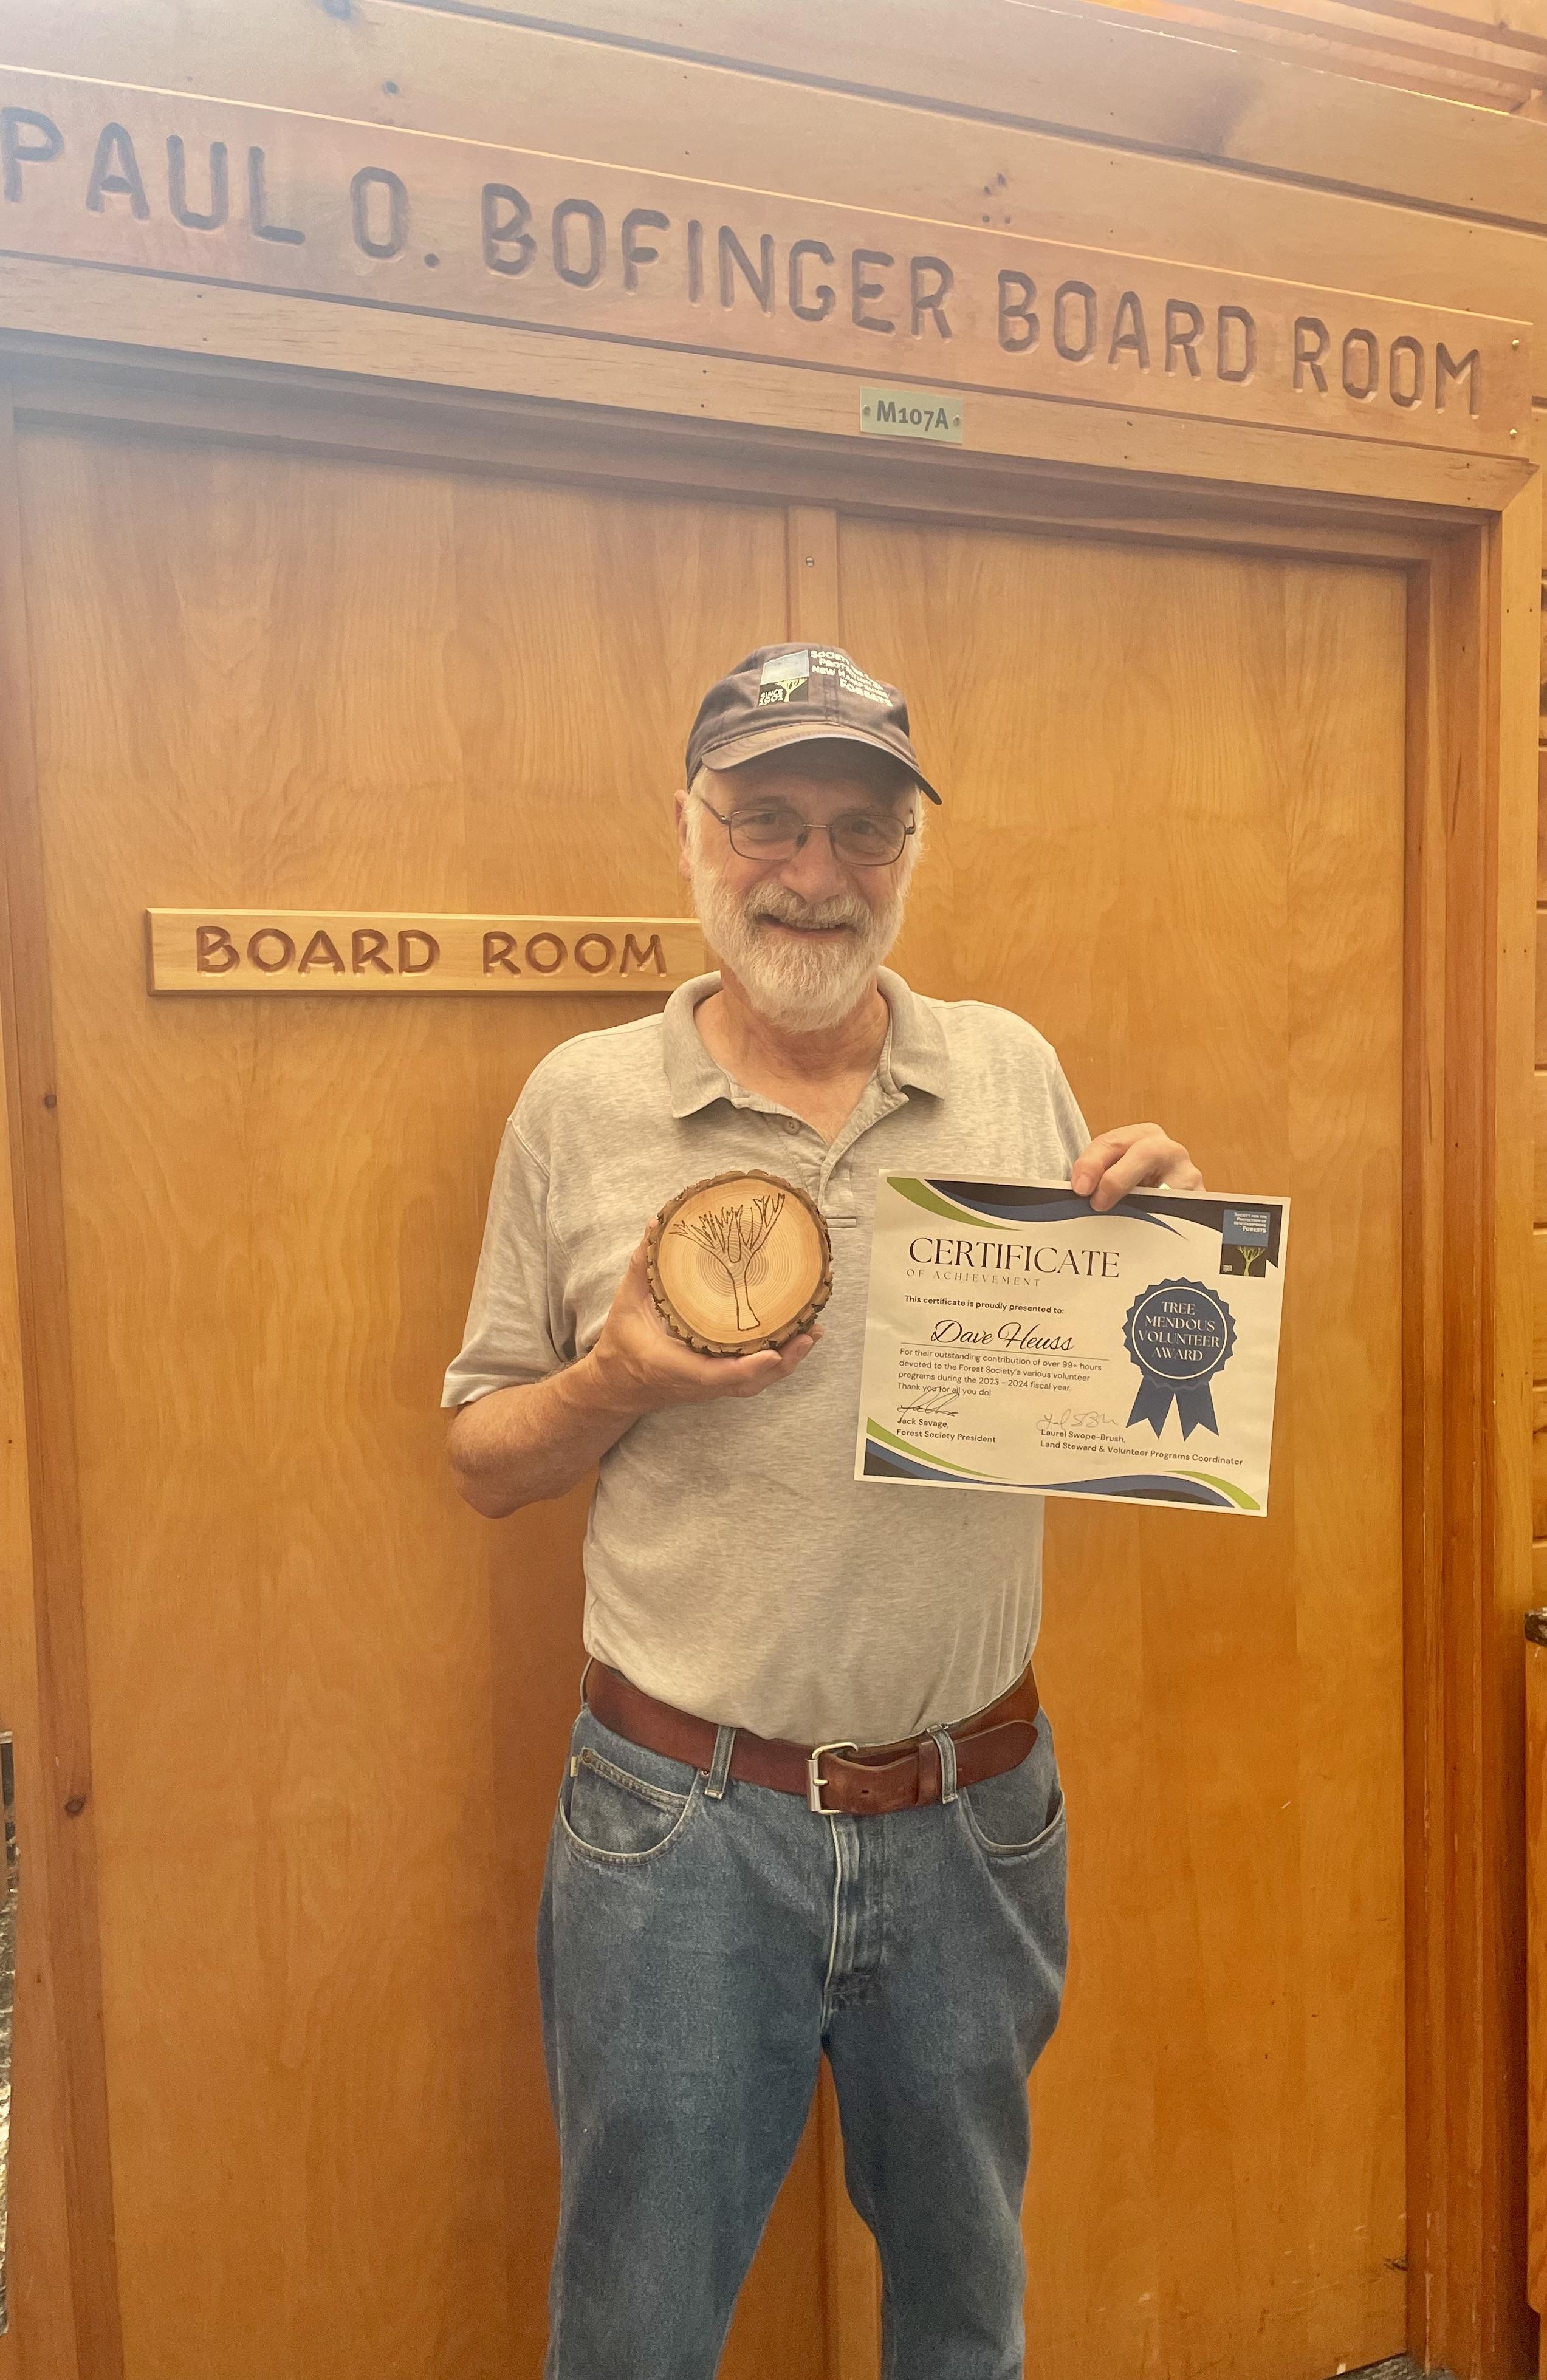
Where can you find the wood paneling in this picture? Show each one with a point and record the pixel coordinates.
(59, 1957)
(328, 1718)
(1457, 55)
(1063, 126)
(632, 106)
(56, 2265)
(440, 66)
(455, 231)
(234, 763)
(44, 302)
(1237, 1971)
(1469, 1322)
(1512, 593)
(1536, 1903)
(815, 609)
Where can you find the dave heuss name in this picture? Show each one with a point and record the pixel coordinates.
(297, 951)
(228, 194)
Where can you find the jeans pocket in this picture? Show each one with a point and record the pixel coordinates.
(608, 1814)
(1019, 1811)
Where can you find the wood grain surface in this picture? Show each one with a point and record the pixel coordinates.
(740, 1261)
(1087, 117)
(61, 2279)
(378, 953)
(223, 197)
(138, 316)
(252, 670)
(1536, 1925)
(1174, 800)
(246, 1242)
(329, 1704)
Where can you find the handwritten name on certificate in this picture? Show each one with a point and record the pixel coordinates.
(1014, 1338)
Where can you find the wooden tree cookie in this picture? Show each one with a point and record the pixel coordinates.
(739, 1262)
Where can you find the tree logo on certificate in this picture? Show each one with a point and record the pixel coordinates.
(1181, 1335)
(1245, 1244)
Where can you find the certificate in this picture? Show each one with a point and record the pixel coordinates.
(1016, 1339)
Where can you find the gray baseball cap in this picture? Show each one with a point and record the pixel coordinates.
(799, 694)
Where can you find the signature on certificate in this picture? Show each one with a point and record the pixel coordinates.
(1072, 1419)
(934, 1400)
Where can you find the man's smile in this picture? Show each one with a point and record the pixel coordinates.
(811, 929)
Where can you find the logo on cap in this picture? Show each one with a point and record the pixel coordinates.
(783, 676)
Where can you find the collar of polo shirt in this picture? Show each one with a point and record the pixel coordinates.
(914, 1053)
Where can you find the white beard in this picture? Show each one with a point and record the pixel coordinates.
(802, 988)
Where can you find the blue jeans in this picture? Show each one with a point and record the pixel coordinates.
(702, 1943)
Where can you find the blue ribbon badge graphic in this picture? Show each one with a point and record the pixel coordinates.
(1180, 1334)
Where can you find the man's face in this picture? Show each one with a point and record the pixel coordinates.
(803, 929)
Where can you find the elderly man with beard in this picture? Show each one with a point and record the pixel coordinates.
(812, 1805)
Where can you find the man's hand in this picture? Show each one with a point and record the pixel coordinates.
(1135, 1157)
(638, 1367)
(517, 1445)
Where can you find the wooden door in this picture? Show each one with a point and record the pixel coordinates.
(1173, 838)
(325, 1704)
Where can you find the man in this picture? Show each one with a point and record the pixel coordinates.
(811, 1804)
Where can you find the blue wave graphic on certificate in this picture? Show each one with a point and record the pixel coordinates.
(993, 1202)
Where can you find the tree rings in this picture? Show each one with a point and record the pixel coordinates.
(740, 1262)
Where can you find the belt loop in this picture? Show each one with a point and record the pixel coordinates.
(719, 1770)
(584, 1675)
(944, 1744)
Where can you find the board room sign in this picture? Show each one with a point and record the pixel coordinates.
(225, 196)
(347, 951)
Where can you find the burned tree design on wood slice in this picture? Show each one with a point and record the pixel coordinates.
(733, 1241)
(740, 1262)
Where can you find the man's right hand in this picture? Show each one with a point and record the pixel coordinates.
(636, 1365)
(517, 1445)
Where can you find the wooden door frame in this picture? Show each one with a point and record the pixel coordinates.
(1472, 576)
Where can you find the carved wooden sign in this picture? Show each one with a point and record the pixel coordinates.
(224, 195)
(312, 950)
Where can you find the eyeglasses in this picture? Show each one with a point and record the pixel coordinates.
(773, 830)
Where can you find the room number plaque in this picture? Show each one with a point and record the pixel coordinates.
(740, 1262)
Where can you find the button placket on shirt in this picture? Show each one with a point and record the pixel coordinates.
(834, 1187)
(792, 1126)
(801, 1136)
(835, 1190)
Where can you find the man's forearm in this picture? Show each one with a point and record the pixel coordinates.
(517, 1446)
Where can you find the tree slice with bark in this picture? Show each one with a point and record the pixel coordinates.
(740, 1262)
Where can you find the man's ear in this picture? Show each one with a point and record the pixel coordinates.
(679, 808)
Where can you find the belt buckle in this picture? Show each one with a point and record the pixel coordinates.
(815, 1780)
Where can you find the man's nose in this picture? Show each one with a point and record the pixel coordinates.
(812, 871)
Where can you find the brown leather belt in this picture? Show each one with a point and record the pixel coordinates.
(832, 1778)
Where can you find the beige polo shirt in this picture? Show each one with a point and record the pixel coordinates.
(734, 1565)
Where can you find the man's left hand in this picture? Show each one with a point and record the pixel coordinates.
(1135, 1157)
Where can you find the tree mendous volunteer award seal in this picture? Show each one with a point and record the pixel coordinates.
(740, 1262)
(1016, 1339)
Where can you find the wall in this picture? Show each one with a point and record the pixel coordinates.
(1485, 53)
(1067, 124)
(1068, 121)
